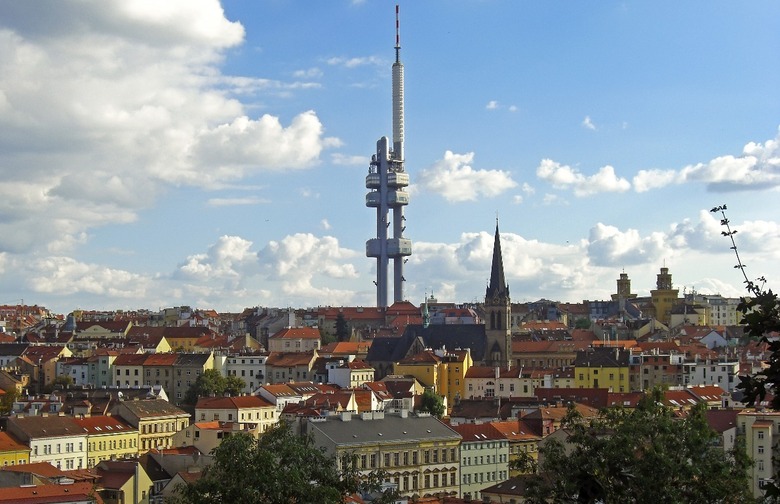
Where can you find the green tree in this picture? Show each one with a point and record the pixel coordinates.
(212, 383)
(7, 401)
(342, 328)
(279, 467)
(60, 382)
(641, 455)
(431, 402)
(582, 323)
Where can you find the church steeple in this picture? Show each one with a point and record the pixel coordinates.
(497, 288)
(498, 312)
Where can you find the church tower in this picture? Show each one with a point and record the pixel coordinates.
(498, 312)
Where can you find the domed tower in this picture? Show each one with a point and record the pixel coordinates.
(498, 312)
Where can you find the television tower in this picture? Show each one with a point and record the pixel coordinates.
(386, 181)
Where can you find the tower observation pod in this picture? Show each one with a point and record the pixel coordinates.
(386, 182)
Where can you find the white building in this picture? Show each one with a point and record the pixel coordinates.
(248, 367)
(58, 440)
(723, 374)
(349, 374)
(242, 410)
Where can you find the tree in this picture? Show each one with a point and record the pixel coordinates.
(7, 401)
(641, 455)
(761, 316)
(212, 383)
(431, 402)
(279, 467)
(60, 382)
(342, 328)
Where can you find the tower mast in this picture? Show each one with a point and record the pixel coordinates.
(387, 181)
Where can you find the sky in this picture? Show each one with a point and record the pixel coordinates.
(213, 155)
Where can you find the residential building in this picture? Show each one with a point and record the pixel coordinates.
(350, 374)
(760, 429)
(250, 367)
(295, 339)
(241, 410)
(156, 421)
(186, 370)
(657, 368)
(603, 367)
(484, 381)
(108, 438)
(722, 373)
(420, 454)
(12, 451)
(484, 458)
(123, 482)
(442, 369)
(58, 440)
(129, 370)
(522, 442)
(289, 367)
(207, 435)
(158, 370)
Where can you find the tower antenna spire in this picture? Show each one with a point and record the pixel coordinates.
(397, 35)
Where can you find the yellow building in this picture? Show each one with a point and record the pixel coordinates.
(664, 297)
(443, 370)
(522, 442)
(156, 421)
(12, 451)
(603, 367)
(108, 438)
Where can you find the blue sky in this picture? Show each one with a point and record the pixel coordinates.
(214, 154)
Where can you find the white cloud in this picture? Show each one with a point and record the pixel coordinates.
(608, 246)
(65, 276)
(230, 259)
(324, 224)
(513, 108)
(89, 127)
(517, 199)
(308, 73)
(355, 62)
(756, 168)
(339, 159)
(492, 105)
(252, 200)
(566, 177)
(454, 179)
(587, 123)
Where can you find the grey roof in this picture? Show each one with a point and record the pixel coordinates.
(453, 336)
(150, 408)
(192, 359)
(13, 349)
(390, 429)
(32, 427)
(602, 357)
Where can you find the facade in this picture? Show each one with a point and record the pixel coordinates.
(484, 457)
(443, 370)
(760, 429)
(242, 410)
(350, 374)
(108, 438)
(723, 374)
(420, 454)
(12, 451)
(484, 381)
(186, 370)
(249, 367)
(58, 440)
(156, 421)
(651, 369)
(295, 339)
(287, 367)
(603, 367)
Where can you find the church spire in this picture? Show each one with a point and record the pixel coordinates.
(498, 287)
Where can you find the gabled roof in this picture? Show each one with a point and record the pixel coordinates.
(309, 333)
(345, 348)
(9, 443)
(515, 430)
(289, 359)
(50, 494)
(131, 359)
(151, 408)
(164, 359)
(394, 349)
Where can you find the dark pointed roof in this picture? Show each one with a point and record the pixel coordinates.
(498, 286)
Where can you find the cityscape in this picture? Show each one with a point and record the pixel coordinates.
(216, 231)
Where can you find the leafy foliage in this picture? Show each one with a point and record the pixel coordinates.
(60, 382)
(279, 467)
(644, 455)
(342, 328)
(7, 401)
(431, 402)
(211, 382)
(761, 316)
